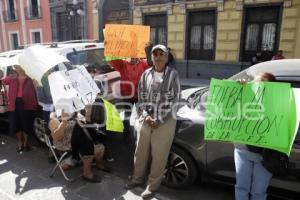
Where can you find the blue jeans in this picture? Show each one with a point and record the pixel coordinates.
(252, 179)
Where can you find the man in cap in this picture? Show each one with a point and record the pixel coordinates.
(158, 98)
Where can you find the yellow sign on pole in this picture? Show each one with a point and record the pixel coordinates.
(126, 40)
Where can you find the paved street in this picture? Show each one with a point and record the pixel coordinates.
(26, 176)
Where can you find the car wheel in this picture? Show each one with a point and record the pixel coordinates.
(39, 129)
(181, 170)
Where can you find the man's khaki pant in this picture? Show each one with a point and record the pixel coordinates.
(153, 147)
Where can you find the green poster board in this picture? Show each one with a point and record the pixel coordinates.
(113, 119)
(261, 114)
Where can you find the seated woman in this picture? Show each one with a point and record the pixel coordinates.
(68, 135)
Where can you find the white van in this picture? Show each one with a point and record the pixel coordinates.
(78, 53)
(12, 53)
(83, 53)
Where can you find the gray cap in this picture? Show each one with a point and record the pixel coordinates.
(161, 47)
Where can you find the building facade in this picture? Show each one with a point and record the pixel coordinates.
(23, 22)
(74, 19)
(217, 38)
(114, 12)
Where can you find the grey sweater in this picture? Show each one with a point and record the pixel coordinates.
(161, 103)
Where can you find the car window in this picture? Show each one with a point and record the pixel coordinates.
(87, 57)
(198, 99)
(242, 75)
(105, 69)
(294, 84)
(94, 57)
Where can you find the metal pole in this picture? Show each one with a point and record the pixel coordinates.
(100, 19)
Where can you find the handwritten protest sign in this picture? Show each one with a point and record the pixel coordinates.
(252, 114)
(113, 118)
(37, 60)
(109, 58)
(88, 87)
(126, 40)
(72, 90)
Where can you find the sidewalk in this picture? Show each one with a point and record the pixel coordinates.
(26, 177)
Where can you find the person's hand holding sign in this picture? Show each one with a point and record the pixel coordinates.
(242, 81)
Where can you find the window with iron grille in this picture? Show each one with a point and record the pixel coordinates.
(201, 35)
(261, 32)
(158, 28)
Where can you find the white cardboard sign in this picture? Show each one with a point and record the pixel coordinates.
(37, 60)
(72, 90)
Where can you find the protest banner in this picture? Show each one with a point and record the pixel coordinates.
(110, 58)
(252, 114)
(88, 87)
(37, 60)
(72, 90)
(126, 40)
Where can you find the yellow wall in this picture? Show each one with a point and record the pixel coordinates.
(229, 26)
(176, 32)
(290, 31)
(228, 33)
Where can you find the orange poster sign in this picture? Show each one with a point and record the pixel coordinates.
(126, 40)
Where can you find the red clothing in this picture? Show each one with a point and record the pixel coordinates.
(278, 57)
(28, 93)
(20, 91)
(130, 73)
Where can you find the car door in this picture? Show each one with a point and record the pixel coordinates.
(292, 180)
(220, 160)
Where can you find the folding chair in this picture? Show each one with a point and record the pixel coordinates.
(57, 159)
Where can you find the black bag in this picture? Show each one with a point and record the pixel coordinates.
(98, 112)
(275, 162)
